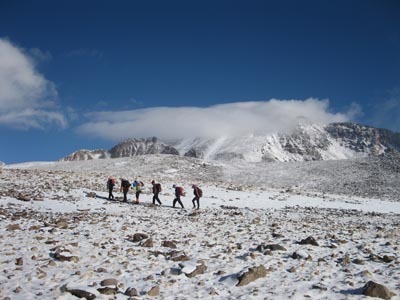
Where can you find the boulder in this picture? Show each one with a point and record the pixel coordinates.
(13, 227)
(154, 291)
(168, 244)
(19, 261)
(80, 293)
(23, 197)
(109, 281)
(62, 224)
(272, 247)
(63, 254)
(137, 237)
(131, 292)
(190, 269)
(309, 241)
(108, 290)
(148, 243)
(373, 289)
(301, 255)
(251, 274)
(388, 259)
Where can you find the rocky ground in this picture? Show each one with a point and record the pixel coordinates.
(377, 177)
(373, 177)
(62, 241)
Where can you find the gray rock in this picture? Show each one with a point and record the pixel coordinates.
(373, 289)
(309, 241)
(148, 243)
(19, 261)
(319, 286)
(81, 293)
(13, 227)
(358, 261)
(388, 259)
(23, 197)
(109, 281)
(272, 247)
(137, 237)
(108, 290)
(252, 274)
(62, 254)
(131, 292)
(168, 244)
(200, 269)
(62, 224)
(154, 291)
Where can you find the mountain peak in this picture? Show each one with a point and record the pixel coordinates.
(306, 142)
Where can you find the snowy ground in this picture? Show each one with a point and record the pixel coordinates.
(58, 239)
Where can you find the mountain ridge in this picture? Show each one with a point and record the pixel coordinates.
(307, 142)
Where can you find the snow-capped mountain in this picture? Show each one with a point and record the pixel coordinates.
(85, 154)
(134, 147)
(306, 142)
(127, 148)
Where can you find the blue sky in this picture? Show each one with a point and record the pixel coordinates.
(85, 74)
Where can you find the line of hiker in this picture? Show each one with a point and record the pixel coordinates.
(138, 186)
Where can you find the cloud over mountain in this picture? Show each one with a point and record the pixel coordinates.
(231, 119)
(27, 99)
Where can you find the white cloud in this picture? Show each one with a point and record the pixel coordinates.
(27, 99)
(232, 119)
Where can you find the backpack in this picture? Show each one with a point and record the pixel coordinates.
(110, 183)
(180, 191)
(125, 184)
(199, 192)
(158, 188)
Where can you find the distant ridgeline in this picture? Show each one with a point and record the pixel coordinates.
(304, 143)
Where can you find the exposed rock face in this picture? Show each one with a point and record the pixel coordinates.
(195, 152)
(87, 155)
(364, 138)
(134, 147)
(127, 148)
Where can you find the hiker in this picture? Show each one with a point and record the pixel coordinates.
(110, 187)
(124, 188)
(137, 186)
(197, 194)
(178, 193)
(156, 190)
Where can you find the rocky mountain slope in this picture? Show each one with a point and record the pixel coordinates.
(372, 176)
(63, 239)
(307, 142)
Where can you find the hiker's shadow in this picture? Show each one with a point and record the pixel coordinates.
(352, 291)
(95, 195)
